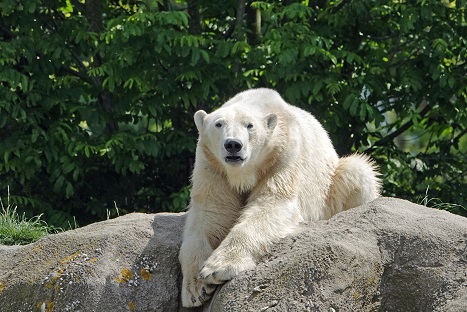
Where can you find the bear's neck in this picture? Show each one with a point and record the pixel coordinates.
(242, 179)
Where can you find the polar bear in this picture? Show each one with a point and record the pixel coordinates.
(262, 166)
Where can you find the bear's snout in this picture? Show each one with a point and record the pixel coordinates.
(233, 146)
(234, 151)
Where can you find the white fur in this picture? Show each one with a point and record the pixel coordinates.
(290, 173)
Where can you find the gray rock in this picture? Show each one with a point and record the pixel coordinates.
(389, 255)
(125, 264)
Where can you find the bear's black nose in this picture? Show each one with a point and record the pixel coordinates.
(233, 146)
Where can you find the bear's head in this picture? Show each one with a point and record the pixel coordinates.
(237, 139)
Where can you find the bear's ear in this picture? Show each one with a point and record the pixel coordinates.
(199, 119)
(271, 121)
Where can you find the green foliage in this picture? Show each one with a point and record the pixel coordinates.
(97, 97)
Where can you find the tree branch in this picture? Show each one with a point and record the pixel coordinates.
(239, 17)
(337, 7)
(455, 140)
(8, 33)
(390, 137)
(194, 22)
(78, 74)
(241, 4)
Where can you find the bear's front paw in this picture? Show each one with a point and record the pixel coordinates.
(196, 292)
(220, 268)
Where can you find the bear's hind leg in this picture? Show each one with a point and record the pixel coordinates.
(355, 182)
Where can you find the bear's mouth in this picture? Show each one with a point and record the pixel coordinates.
(233, 159)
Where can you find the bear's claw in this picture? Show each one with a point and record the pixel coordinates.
(219, 274)
(196, 293)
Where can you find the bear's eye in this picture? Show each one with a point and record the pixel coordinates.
(249, 126)
(218, 125)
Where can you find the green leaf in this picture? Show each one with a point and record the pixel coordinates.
(68, 167)
(309, 50)
(317, 86)
(195, 54)
(439, 44)
(363, 111)
(31, 7)
(223, 49)
(348, 101)
(205, 55)
(3, 120)
(24, 83)
(333, 88)
(354, 106)
(333, 59)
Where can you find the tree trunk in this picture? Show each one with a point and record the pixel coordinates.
(194, 21)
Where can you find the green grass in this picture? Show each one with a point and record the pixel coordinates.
(16, 229)
(438, 204)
